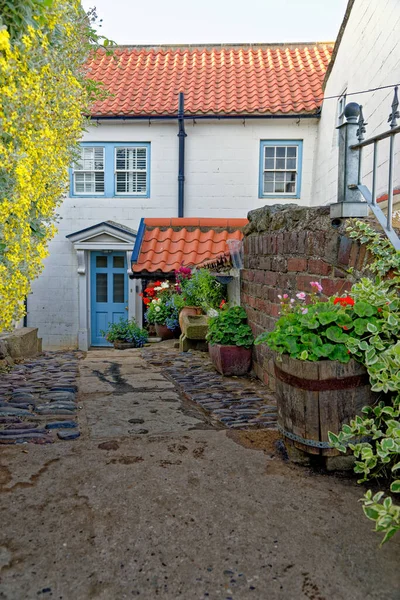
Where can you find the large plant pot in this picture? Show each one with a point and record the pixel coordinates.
(316, 397)
(189, 310)
(230, 360)
(164, 333)
(120, 345)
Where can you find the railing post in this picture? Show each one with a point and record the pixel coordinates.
(349, 203)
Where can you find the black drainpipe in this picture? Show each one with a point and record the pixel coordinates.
(181, 167)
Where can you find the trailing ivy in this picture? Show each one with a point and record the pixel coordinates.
(45, 93)
(380, 353)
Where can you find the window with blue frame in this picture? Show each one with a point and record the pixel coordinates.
(280, 168)
(109, 170)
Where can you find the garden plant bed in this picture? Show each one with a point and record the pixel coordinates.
(235, 403)
(38, 400)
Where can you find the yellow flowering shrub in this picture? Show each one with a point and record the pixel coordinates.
(44, 95)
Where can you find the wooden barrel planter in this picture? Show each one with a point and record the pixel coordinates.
(316, 397)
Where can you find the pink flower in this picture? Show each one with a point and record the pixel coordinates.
(291, 300)
(301, 296)
(316, 285)
(304, 311)
(285, 296)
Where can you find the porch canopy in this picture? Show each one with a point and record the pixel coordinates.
(164, 245)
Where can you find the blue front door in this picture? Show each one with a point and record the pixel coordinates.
(109, 292)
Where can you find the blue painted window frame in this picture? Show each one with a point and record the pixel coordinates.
(266, 143)
(109, 170)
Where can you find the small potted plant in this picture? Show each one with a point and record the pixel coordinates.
(198, 291)
(125, 334)
(162, 311)
(230, 340)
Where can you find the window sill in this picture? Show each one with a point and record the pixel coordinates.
(279, 197)
(106, 197)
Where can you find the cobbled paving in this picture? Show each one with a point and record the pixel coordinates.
(232, 402)
(38, 400)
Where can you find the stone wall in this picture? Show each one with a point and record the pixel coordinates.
(285, 248)
(18, 344)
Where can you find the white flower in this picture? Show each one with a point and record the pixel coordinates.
(157, 309)
(164, 285)
(158, 288)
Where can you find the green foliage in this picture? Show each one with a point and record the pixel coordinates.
(386, 258)
(382, 510)
(320, 331)
(202, 289)
(374, 437)
(230, 328)
(45, 95)
(126, 331)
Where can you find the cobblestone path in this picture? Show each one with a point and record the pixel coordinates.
(233, 402)
(38, 400)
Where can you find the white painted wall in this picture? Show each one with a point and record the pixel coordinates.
(222, 172)
(368, 57)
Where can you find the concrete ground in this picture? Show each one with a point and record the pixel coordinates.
(152, 502)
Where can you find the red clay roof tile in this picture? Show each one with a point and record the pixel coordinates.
(248, 80)
(169, 243)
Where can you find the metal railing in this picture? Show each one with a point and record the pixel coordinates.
(350, 185)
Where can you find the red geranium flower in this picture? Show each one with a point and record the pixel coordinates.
(346, 301)
(146, 300)
(223, 302)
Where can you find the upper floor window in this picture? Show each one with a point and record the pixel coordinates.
(110, 169)
(280, 168)
(89, 171)
(130, 170)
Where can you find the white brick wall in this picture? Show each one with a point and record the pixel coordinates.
(368, 57)
(221, 170)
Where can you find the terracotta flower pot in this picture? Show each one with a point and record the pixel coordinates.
(230, 360)
(189, 310)
(121, 345)
(163, 332)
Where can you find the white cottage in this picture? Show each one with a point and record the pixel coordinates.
(205, 134)
(245, 135)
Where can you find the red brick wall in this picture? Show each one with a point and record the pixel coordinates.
(284, 250)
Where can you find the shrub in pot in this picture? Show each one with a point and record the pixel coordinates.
(230, 341)
(125, 334)
(162, 311)
(198, 291)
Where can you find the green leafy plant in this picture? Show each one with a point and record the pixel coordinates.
(386, 258)
(230, 328)
(202, 289)
(374, 437)
(320, 330)
(126, 330)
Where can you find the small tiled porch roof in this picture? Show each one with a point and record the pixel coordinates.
(163, 245)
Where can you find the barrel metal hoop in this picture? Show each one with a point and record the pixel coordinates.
(318, 444)
(306, 442)
(319, 385)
